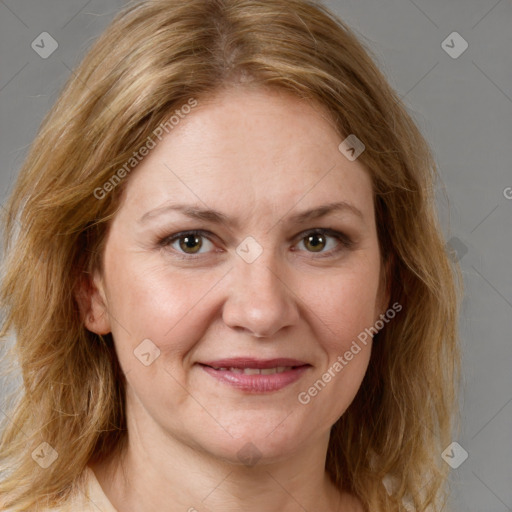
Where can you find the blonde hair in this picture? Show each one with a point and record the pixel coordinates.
(152, 59)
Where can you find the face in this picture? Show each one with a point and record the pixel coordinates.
(231, 284)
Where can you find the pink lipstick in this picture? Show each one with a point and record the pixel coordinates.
(256, 375)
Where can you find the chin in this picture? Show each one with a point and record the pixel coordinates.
(250, 446)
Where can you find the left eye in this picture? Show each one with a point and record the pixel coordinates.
(317, 241)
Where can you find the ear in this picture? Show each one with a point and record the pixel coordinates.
(91, 298)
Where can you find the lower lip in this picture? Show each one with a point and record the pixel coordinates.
(257, 383)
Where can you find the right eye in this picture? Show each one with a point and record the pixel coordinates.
(188, 243)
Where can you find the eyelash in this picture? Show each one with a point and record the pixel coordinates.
(345, 241)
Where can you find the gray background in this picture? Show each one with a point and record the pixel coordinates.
(463, 106)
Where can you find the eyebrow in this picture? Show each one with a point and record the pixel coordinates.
(216, 217)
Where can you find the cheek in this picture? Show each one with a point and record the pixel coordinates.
(151, 302)
(345, 305)
(344, 310)
(347, 309)
(333, 389)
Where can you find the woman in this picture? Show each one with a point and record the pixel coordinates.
(226, 278)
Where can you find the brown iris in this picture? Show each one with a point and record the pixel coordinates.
(312, 240)
(192, 242)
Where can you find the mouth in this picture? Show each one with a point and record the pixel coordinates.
(256, 375)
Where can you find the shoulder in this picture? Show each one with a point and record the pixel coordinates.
(88, 497)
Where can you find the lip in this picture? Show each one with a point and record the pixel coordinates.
(250, 362)
(256, 383)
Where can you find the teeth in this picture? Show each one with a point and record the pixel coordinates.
(252, 371)
(256, 371)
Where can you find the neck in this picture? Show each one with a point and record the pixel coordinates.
(159, 472)
(140, 482)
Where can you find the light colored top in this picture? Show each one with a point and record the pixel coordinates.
(93, 499)
(90, 499)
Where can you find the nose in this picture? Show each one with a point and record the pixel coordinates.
(259, 300)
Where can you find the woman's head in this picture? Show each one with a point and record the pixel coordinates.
(239, 107)
(254, 286)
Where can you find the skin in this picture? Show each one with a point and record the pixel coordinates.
(258, 157)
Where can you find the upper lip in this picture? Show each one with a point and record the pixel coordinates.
(249, 362)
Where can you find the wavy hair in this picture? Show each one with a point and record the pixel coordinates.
(153, 57)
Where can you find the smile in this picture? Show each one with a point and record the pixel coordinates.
(256, 376)
(257, 371)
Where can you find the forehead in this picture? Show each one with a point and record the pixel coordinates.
(245, 148)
